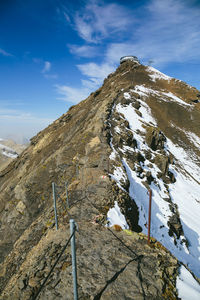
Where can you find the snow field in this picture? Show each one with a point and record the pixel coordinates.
(184, 192)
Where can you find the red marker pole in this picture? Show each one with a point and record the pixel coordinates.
(149, 223)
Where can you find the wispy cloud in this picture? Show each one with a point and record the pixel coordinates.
(169, 32)
(73, 95)
(94, 74)
(97, 21)
(85, 50)
(47, 67)
(4, 53)
(165, 31)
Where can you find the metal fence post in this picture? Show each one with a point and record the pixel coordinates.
(66, 189)
(54, 203)
(149, 222)
(73, 251)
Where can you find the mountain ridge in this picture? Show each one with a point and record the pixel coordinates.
(79, 148)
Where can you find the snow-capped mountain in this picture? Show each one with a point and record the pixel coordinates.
(138, 132)
(9, 150)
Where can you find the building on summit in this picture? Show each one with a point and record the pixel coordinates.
(129, 57)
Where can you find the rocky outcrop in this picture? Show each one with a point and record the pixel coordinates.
(104, 258)
(155, 139)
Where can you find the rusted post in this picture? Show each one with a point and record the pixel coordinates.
(149, 221)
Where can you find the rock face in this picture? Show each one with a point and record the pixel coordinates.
(86, 147)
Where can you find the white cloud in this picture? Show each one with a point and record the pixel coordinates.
(47, 67)
(169, 33)
(73, 95)
(95, 75)
(84, 51)
(4, 53)
(95, 71)
(98, 21)
(164, 30)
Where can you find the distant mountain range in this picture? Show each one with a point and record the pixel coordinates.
(8, 151)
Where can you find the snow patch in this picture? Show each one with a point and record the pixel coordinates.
(155, 74)
(193, 138)
(7, 151)
(175, 98)
(187, 286)
(115, 217)
(144, 91)
(127, 96)
(113, 155)
(184, 159)
(9, 154)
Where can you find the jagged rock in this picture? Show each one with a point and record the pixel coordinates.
(148, 154)
(163, 163)
(125, 138)
(175, 226)
(172, 177)
(138, 113)
(125, 101)
(149, 177)
(154, 138)
(136, 104)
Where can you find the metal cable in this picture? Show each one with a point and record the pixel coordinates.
(43, 284)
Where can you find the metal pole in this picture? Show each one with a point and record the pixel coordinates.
(54, 203)
(67, 199)
(73, 251)
(149, 223)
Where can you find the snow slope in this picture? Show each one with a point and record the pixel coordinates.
(184, 192)
(155, 74)
(187, 286)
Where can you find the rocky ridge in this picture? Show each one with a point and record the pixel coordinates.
(87, 147)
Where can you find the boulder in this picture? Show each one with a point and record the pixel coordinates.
(162, 162)
(154, 138)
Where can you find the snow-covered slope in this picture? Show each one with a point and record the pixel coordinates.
(170, 170)
(7, 151)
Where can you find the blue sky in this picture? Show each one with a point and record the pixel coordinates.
(54, 53)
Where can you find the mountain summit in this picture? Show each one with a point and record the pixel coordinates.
(139, 131)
